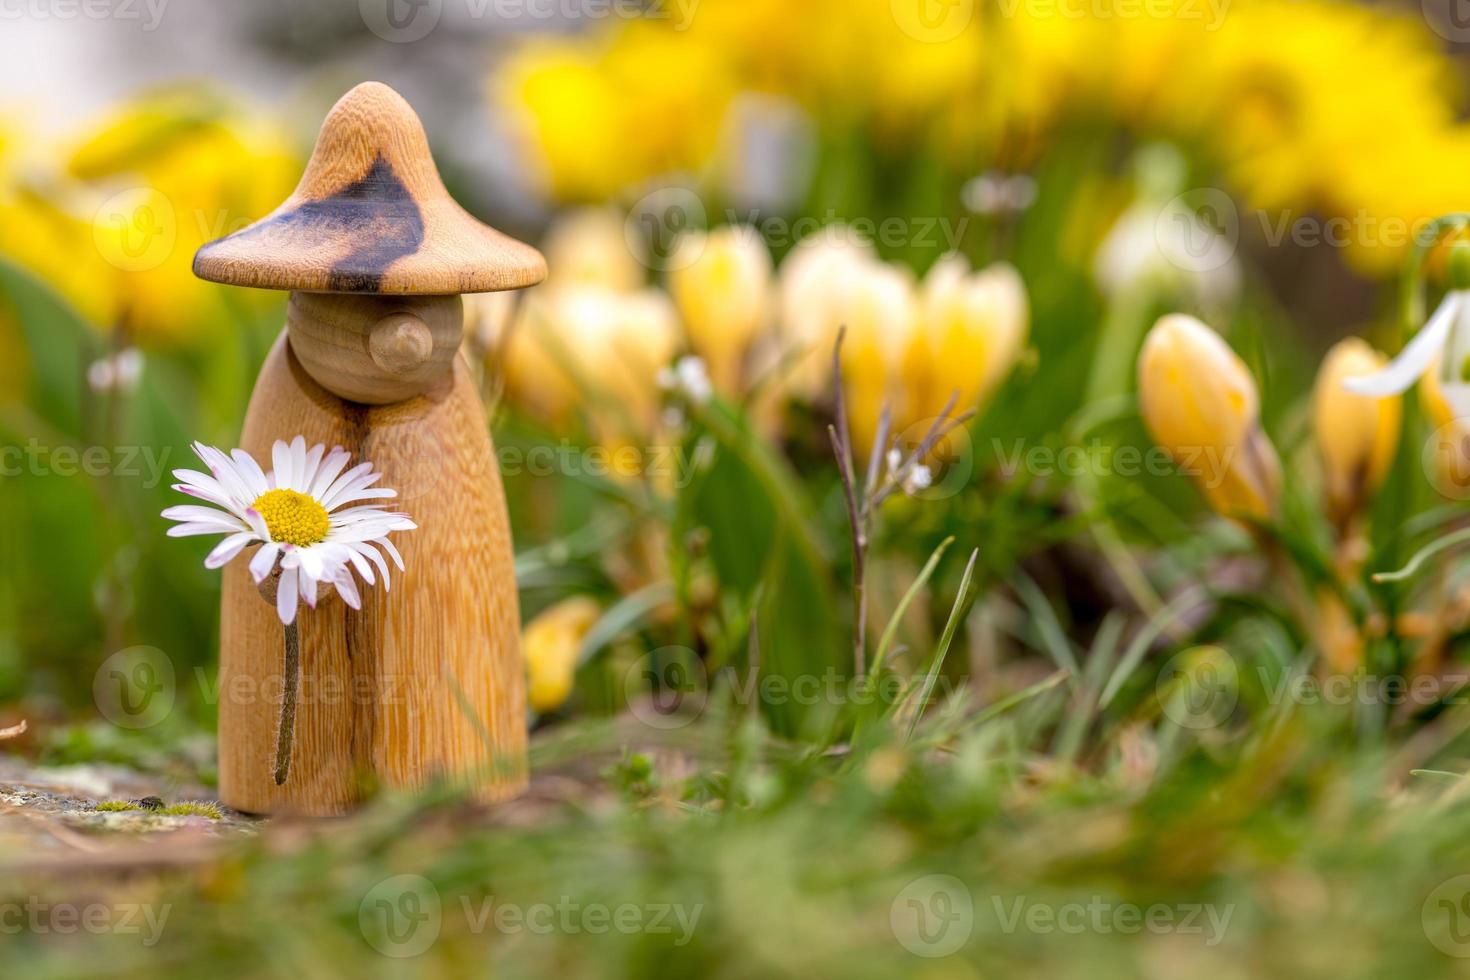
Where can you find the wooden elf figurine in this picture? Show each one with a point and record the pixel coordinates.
(425, 680)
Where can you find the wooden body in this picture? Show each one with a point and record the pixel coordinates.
(427, 679)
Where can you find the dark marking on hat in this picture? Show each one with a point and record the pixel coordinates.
(374, 217)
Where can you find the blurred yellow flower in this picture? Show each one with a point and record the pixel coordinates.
(1199, 403)
(595, 349)
(814, 280)
(879, 307)
(591, 247)
(1449, 465)
(1333, 106)
(721, 282)
(59, 248)
(971, 329)
(602, 114)
(1357, 435)
(551, 643)
(166, 174)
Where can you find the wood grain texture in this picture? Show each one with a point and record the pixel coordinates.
(378, 701)
(349, 344)
(371, 215)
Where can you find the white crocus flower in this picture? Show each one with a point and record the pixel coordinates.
(1446, 337)
(298, 514)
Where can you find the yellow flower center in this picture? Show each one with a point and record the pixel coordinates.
(292, 517)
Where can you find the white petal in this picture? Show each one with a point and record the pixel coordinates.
(227, 549)
(298, 463)
(1415, 358)
(250, 472)
(264, 561)
(312, 464)
(397, 558)
(286, 596)
(281, 463)
(193, 528)
(331, 469)
(347, 589)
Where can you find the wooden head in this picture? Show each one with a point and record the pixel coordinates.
(371, 215)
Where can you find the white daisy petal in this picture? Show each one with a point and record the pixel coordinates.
(388, 547)
(1416, 356)
(298, 464)
(251, 472)
(331, 468)
(347, 588)
(286, 597)
(281, 463)
(227, 549)
(264, 561)
(309, 469)
(193, 528)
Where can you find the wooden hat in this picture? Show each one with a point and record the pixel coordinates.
(371, 215)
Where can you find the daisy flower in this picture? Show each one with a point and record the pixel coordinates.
(307, 514)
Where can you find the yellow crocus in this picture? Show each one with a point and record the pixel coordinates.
(1200, 405)
(1447, 459)
(814, 282)
(971, 329)
(592, 247)
(593, 348)
(1357, 435)
(721, 283)
(550, 644)
(880, 310)
(166, 174)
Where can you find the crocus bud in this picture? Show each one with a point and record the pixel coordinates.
(591, 247)
(594, 349)
(878, 308)
(722, 285)
(1200, 405)
(1447, 456)
(1357, 435)
(971, 329)
(551, 643)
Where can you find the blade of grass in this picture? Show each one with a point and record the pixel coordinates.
(1053, 637)
(956, 613)
(1155, 627)
(903, 605)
